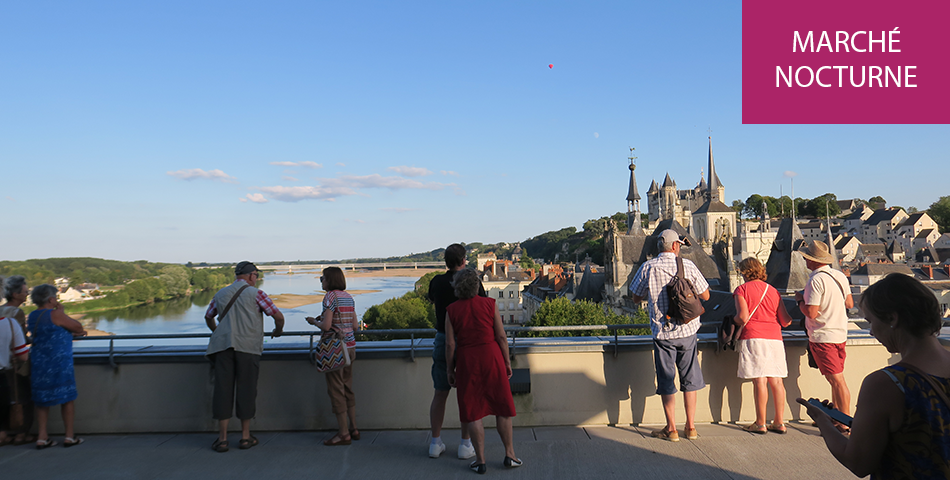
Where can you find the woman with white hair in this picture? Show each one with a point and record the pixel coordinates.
(53, 378)
(15, 292)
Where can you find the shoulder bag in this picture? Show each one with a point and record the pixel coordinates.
(729, 332)
(330, 353)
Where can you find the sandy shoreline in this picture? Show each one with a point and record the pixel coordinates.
(293, 300)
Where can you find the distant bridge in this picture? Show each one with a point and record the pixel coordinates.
(354, 266)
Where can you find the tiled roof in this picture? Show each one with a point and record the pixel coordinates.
(882, 215)
(882, 269)
(924, 234)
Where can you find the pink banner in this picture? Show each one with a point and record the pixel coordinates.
(867, 62)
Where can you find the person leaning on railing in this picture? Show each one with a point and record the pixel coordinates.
(51, 359)
(339, 311)
(16, 291)
(901, 427)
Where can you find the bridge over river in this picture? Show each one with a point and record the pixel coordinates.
(352, 266)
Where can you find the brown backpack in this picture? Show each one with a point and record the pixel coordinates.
(684, 303)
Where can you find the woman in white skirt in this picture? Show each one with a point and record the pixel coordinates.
(761, 351)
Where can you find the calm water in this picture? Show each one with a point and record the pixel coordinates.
(186, 315)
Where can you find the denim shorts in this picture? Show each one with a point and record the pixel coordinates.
(677, 354)
(440, 378)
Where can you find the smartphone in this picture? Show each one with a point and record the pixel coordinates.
(833, 413)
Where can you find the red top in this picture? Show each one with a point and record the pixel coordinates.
(764, 323)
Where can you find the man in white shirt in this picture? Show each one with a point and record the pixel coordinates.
(825, 303)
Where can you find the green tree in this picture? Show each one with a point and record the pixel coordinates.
(738, 207)
(562, 312)
(877, 202)
(403, 312)
(422, 285)
(176, 280)
(939, 211)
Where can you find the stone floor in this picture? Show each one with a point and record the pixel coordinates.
(721, 452)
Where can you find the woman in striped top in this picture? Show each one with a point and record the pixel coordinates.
(339, 312)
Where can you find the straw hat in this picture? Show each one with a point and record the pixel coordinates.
(818, 252)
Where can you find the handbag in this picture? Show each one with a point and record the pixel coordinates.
(729, 332)
(331, 352)
(16, 408)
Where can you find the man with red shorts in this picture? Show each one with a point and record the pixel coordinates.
(825, 303)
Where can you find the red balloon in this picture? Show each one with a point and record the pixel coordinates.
(550, 65)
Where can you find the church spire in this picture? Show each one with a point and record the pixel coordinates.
(633, 199)
(714, 184)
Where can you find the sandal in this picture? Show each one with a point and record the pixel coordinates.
(779, 428)
(355, 434)
(43, 444)
(513, 462)
(755, 428)
(220, 446)
(246, 443)
(72, 441)
(337, 440)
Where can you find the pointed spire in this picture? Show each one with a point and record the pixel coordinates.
(633, 199)
(713, 184)
(653, 187)
(668, 182)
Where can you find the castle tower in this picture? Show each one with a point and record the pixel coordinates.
(653, 199)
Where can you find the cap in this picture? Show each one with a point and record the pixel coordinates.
(245, 268)
(669, 237)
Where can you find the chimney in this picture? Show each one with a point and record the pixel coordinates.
(929, 270)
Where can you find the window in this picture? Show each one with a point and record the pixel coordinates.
(501, 294)
(511, 294)
(511, 318)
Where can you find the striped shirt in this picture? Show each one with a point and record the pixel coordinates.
(18, 342)
(650, 282)
(263, 301)
(344, 313)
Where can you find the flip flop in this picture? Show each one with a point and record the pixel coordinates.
(44, 444)
(757, 429)
(779, 429)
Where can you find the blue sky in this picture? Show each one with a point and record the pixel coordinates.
(221, 131)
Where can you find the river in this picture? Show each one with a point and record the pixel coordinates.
(186, 315)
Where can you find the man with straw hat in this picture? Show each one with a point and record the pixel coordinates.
(824, 302)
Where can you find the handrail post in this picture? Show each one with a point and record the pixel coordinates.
(112, 354)
(412, 347)
(312, 352)
(514, 341)
(616, 342)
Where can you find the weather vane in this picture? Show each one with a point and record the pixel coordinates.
(632, 158)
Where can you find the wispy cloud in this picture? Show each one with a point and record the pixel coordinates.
(197, 173)
(254, 197)
(410, 171)
(11, 199)
(449, 173)
(378, 181)
(297, 164)
(288, 179)
(340, 164)
(296, 194)
(398, 209)
(790, 174)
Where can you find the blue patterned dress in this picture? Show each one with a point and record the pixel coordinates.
(51, 359)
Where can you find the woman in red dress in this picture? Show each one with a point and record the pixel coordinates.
(476, 351)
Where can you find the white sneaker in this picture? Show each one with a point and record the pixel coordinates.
(436, 449)
(466, 452)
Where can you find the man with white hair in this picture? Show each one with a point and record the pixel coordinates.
(674, 343)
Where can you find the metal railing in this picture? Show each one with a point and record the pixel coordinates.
(422, 333)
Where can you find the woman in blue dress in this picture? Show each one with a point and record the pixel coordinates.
(53, 380)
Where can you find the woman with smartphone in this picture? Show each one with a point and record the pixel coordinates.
(901, 427)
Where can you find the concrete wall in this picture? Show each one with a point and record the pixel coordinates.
(571, 384)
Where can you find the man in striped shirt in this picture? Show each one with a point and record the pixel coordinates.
(674, 344)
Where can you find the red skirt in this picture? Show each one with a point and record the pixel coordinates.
(482, 383)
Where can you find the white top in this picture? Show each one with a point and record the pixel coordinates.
(19, 343)
(828, 289)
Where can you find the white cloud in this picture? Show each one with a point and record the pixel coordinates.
(410, 171)
(790, 174)
(596, 135)
(449, 172)
(340, 164)
(197, 173)
(297, 164)
(295, 194)
(289, 179)
(254, 197)
(378, 181)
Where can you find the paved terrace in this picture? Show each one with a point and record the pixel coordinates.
(723, 451)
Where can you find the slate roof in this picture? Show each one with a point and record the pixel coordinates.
(924, 234)
(856, 214)
(591, 287)
(713, 206)
(842, 242)
(875, 249)
(786, 269)
(668, 182)
(632, 193)
(911, 220)
(881, 215)
(881, 269)
(653, 187)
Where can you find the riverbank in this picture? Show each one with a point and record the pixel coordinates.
(391, 272)
(292, 300)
